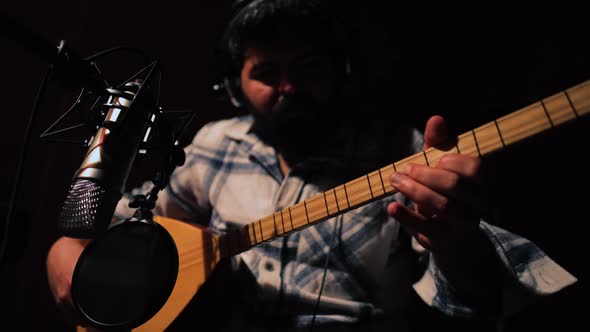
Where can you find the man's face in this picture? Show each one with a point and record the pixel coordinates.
(291, 93)
(270, 74)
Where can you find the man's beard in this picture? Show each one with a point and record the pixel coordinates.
(302, 128)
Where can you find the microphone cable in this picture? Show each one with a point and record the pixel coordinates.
(326, 262)
(20, 165)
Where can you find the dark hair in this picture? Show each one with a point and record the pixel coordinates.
(284, 23)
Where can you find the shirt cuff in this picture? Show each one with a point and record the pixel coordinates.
(527, 266)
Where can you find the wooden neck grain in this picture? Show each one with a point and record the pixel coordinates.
(529, 121)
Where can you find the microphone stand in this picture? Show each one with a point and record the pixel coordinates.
(58, 59)
(39, 46)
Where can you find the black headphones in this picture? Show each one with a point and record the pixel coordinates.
(230, 86)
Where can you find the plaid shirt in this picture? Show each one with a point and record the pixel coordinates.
(231, 178)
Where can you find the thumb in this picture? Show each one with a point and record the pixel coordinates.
(436, 132)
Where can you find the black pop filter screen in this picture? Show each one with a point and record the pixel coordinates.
(126, 275)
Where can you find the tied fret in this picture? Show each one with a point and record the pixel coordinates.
(546, 114)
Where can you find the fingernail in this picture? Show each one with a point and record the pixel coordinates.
(396, 179)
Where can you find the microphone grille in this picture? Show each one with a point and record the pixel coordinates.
(81, 215)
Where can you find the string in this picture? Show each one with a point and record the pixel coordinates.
(510, 131)
(365, 180)
(418, 156)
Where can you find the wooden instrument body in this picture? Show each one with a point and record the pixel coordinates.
(201, 249)
(198, 255)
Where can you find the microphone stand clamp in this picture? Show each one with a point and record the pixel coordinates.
(145, 203)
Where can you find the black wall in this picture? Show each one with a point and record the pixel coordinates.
(470, 64)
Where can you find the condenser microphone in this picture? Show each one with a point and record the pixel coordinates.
(99, 183)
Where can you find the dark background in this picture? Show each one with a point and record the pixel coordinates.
(470, 64)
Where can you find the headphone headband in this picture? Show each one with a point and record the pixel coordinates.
(334, 36)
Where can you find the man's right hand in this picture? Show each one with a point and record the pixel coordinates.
(61, 261)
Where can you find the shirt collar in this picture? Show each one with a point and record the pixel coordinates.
(257, 150)
(266, 156)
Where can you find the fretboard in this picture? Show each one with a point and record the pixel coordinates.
(525, 123)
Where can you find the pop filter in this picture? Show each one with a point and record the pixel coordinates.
(125, 276)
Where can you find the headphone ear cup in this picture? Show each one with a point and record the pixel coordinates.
(231, 79)
(233, 88)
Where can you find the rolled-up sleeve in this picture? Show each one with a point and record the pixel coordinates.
(530, 273)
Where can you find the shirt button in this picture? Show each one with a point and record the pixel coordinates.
(269, 266)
